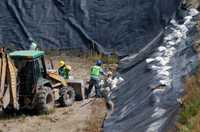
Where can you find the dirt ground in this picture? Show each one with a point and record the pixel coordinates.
(77, 118)
(80, 117)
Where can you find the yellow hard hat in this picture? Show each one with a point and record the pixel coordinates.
(69, 67)
(62, 63)
(109, 73)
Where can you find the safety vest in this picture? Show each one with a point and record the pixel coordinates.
(64, 71)
(95, 72)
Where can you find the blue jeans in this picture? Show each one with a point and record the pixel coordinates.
(94, 83)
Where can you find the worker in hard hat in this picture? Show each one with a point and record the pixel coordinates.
(96, 72)
(64, 70)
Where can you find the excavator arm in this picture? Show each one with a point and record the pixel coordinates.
(8, 81)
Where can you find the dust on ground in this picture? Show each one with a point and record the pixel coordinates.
(79, 117)
(76, 118)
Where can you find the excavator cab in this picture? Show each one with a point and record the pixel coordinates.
(30, 70)
(33, 86)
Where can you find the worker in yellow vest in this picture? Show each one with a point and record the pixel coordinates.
(95, 73)
(64, 70)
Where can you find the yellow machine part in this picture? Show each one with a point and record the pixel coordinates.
(55, 76)
(8, 81)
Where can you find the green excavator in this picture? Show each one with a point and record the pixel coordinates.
(27, 84)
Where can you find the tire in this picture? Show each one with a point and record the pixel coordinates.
(44, 100)
(67, 96)
(9, 110)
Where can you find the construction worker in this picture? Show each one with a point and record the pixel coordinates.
(95, 74)
(64, 70)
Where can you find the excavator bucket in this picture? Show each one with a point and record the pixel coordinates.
(77, 85)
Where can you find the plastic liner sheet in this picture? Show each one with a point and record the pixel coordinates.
(120, 26)
(149, 98)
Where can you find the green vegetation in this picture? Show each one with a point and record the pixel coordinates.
(189, 117)
(90, 56)
(112, 59)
